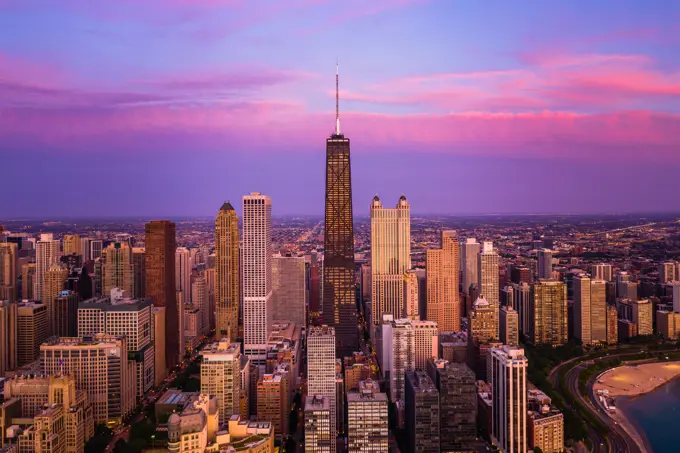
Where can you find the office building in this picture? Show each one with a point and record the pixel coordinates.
(390, 258)
(602, 272)
(457, 404)
(612, 325)
(482, 326)
(8, 337)
(289, 289)
(421, 413)
(598, 311)
(53, 285)
(120, 316)
(469, 257)
(509, 399)
(46, 255)
(221, 375)
(667, 272)
(367, 421)
(160, 284)
(321, 369)
(8, 271)
(668, 324)
(443, 299)
(273, 399)
(426, 342)
(582, 309)
(339, 307)
(395, 344)
(509, 326)
(183, 267)
(65, 314)
(548, 312)
(95, 248)
(411, 295)
(318, 430)
(139, 267)
(118, 269)
(523, 302)
(545, 267)
(101, 367)
(489, 284)
(257, 275)
(29, 280)
(33, 328)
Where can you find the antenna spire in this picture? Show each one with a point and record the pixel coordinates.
(337, 97)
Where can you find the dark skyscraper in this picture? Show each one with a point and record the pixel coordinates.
(160, 281)
(339, 307)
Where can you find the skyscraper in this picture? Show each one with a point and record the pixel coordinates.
(139, 266)
(53, 285)
(367, 422)
(257, 275)
(160, 283)
(8, 271)
(199, 298)
(411, 295)
(289, 289)
(489, 279)
(227, 272)
(390, 258)
(602, 272)
(421, 413)
(221, 375)
(118, 269)
(318, 435)
(183, 274)
(46, 254)
(548, 313)
(509, 326)
(443, 299)
(582, 318)
(72, 244)
(509, 399)
(8, 336)
(469, 255)
(339, 307)
(545, 264)
(321, 353)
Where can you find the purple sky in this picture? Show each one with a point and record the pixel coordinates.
(170, 107)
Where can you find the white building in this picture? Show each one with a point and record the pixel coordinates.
(367, 422)
(318, 438)
(257, 275)
(390, 258)
(321, 370)
(46, 254)
(509, 399)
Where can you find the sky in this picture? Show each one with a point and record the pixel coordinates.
(170, 107)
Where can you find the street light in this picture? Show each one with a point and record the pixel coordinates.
(153, 442)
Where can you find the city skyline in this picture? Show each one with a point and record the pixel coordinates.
(523, 94)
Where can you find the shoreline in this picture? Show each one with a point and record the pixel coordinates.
(628, 374)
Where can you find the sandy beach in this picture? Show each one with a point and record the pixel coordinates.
(631, 380)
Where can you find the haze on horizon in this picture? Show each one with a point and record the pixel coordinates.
(169, 108)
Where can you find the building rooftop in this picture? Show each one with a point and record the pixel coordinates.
(314, 403)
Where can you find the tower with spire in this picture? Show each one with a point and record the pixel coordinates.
(339, 309)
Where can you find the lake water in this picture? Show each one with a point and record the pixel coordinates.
(656, 413)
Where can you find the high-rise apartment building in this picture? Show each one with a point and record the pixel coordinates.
(667, 271)
(469, 254)
(523, 302)
(273, 400)
(411, 295)
(8, 271)
(612, 325)
(602, 272)
(457, 387)
(489, 286)
(482, 327)
(643, 316)
(319, 437)
(29, 280)
(160, 283)
(72, 245)
(548, 313)
(101, 367)
(339, 307)
(183, 274)
(421, 413)
(53, 285)
(159, 331)
(118, 269)
(321, 354)
(509, 399)
(33, 328)
(95, 248)
(199, 297)
(289, 289)
(582, 317)
(221, 375)
(509, 326)
(257, 275)
(390, 258)
(118, 316)
(46, 255)
(443, 299)
(426, 342)
(395, 340)
(545, 258)
(598, 311)
(227, 277)
(367, 422)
